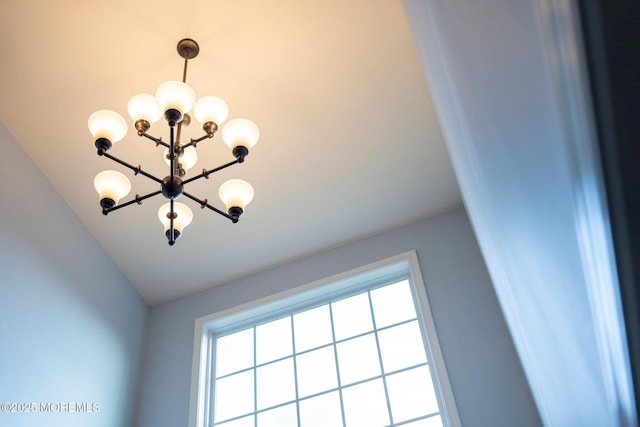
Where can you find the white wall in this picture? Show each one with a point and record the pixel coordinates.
(511, 93)
(486, 377)
(71, 325)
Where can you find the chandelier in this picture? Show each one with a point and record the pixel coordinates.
(173, 100)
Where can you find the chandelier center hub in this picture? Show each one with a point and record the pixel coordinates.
(172, 187)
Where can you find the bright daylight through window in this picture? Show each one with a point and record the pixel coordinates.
(357, 360)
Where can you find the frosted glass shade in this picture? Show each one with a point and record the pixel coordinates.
(188, 159)
(211, 109)
(144, 107)
(107, 124)
(240, 132)
(177, 95)
(111, 185)
(236, 193)
(183, 218)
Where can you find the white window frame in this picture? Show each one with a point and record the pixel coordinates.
(284, 303)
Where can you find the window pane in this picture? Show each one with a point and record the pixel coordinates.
(312, 328)
(352, 316)
(434, 421)
(321, 411)
(234, 396)
(365, 405)
(241, 422)
(283, 416)
(316, 371)
(358, 359)
(275, 383)
(234, 352)
(393, 304)
(411, 394)
(273, 340)
(401, 346)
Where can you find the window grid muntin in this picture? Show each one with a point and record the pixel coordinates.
(404, 322)
(328, 300)
(295, 368)
(331, 390)
(384, 377)
(255, 377)
(335, 357)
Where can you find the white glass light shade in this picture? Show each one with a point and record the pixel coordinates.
(175, 94)
(211, 109)
(144, 107)
(240, 132)
(236, 193)
(107, 124)
(112, 185)
(183, 218)
(188, 159)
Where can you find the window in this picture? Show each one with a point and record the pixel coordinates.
(349, 351)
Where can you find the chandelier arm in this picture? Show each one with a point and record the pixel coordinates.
(138, 199)
(206, 173)
(194, 142)
(204, 204)
(158, 141)
(136, 169)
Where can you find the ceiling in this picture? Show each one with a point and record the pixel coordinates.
(349, 146)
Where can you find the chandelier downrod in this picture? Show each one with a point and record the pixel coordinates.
(187, 49)
(173, 101)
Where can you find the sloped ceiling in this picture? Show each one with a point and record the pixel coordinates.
(349, 144)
